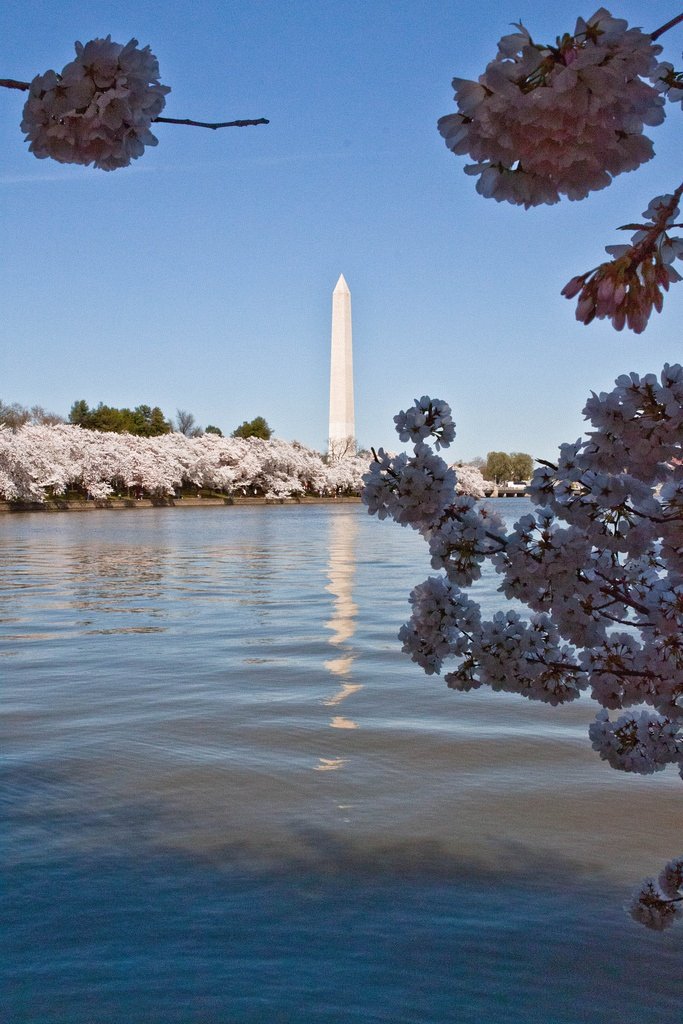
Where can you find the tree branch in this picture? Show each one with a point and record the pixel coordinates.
(618, 589)
(212, 125)
(11, 83)
(665, 28)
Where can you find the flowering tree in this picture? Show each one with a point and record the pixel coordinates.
(99, 108)
(545, 121)
(598, 563)
(470, 481)
(38, 460)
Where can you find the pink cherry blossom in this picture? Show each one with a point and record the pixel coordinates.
(628, 288)
(99, 109)
(544, 121)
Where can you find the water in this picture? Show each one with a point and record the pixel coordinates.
(228, 796)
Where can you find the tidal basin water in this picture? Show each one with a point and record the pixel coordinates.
(228, 797)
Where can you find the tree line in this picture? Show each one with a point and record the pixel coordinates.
(142, 421)
(42, 461)
(151, 421)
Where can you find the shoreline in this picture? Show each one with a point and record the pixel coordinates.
(115, 504)
(102, 504)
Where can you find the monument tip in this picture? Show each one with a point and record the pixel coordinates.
(341, 285)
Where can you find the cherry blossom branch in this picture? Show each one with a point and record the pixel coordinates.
(11, 83)
(569, 667)
(452, 513)
(612, 588)
(627, 288)
(674, 518)
(624, 622)
(647, 244)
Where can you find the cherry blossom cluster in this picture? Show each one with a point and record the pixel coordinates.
(626, 289)
(669, 82)
(99, 108)
(427, 418)
(544, 121)
(38, 460)
(413, 490)
(598, 564)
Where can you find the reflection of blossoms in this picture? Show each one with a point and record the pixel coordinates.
(599, 565)
(545, 121)
(628, 288)
(99, 109)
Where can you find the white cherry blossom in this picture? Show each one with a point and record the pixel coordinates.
(38, 461)
(598, 564)
(652, 907)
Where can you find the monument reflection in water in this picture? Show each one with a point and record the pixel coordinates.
(342, 624)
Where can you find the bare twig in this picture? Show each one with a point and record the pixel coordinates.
(665, 28)
(212, 125)
(10, 83)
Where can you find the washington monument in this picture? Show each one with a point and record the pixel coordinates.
(342, 434)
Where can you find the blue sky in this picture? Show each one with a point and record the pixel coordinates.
(201, 277)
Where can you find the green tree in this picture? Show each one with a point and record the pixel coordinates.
(255, 428)
(150, 422)
(213, 430)
(522, 466)
(109, 418)
(143, 421)
(104, 417)
(79, 412)
(498, 467)
(120, 421)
